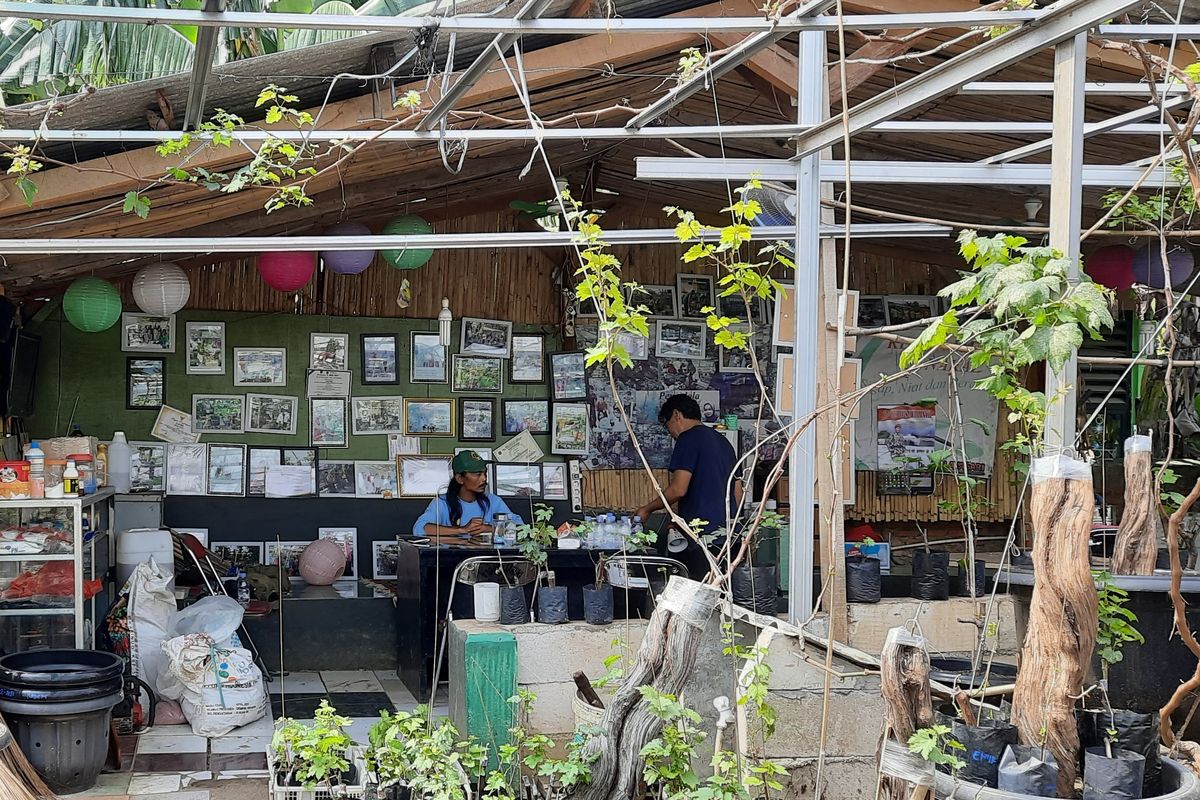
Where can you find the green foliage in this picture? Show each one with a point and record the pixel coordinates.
(136, 202)
(22, 163)
(528, 755)
(1156, 209)
(614, 665)
(668, 757)
(754, 678)
(313, 754)
(935, 745)
(534, 537)
(408, 749)
(691, 61)
(1115, 621)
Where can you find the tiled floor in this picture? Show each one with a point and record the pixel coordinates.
(166, 759)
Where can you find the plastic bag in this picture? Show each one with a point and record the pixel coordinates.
(1134, 731)
(222, 688)
(514, 608)
(1060, 466)
(863, 584)
(1030, 770)
(1118, 777)
(151, 618)
(168, 712)
(1138, 444)
(930, 576)
(756, 588)
(985, 744)
(219, 616)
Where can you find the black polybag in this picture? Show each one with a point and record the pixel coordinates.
(552, 605)
(514, 609)
(863, 584)
(1116, 777)
(1134, 731)
(983, 744)
(930, 575)
(756, 588)
(1028, 769)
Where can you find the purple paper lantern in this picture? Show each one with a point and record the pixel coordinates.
(286, 271)
(1148, 266)
(348, 262)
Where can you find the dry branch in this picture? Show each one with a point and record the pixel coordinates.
(1181, 623)
(904, 684)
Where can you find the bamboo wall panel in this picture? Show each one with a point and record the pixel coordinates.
(619, 489)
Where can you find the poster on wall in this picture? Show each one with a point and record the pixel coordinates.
(906, 436)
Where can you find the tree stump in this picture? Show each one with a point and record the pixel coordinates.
(1136, 548)
(904, 684)
(1061, 634)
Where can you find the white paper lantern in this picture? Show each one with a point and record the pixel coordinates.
(161, 289)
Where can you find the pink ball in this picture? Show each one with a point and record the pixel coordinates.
(1111, 266)
(322, 562)
(348, 262)
(286, 271)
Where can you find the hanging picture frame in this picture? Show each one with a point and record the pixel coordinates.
(374, 479)
(147, 333)
(422, 476)
(429, 416)
(481, 374)
(260, 366)
(662, 301)
(522, 414)
(734, 361)
(570, 429)
(335, 478)
(218, 413)
(568, 375)
(476, 419)
(378, 359)
(145, 383)
(227, 470)
(680, 339)
(271, 413)
(259, 460)
(187, 471)
(205, 348)
(695, 294)
(238, 552)
(519, 480)
(555, 481)
(528, 361)
(147, 467)
(327, 422)
(384, 557)
(328, 350)
(485, 337)
(377, 415)
(428, 358)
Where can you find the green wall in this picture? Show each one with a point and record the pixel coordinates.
(90, 368)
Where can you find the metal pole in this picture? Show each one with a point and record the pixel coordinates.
(810, 110)
(1066, 197)
(202, 64)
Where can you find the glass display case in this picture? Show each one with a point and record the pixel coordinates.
(54, 558)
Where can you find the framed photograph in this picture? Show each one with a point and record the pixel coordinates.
(286, 555)
(260, 460)
(347, 539)
(145, 382)
(384, 556)
(328, 350)
(429, 416)
(569, 376)
(271, 413)
(485, 337)
(734, 306)
(519, 480)
(374, 479)
(736, 361)
(260, 366)
(147, 467)
(638, 347)
(299, 457)
(476, 419)
(422, 476)
(218, 413)
(872, 313)
(335, 479)
(555, 481)
(428, 358)
(372, 415)
(663, 301)
(147, 333)
(379, 359)
(201, 534)
(187, 471)
(478, 374)
(695, 294)
(526, 415)
(205, 346)
(327, 422)
(239, 552)
(679, 339)
(327, 383)
(227, 469)
(570, 429)
(528, 362)
(904, 308)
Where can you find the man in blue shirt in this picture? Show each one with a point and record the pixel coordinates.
(700, 487)
(467, 508)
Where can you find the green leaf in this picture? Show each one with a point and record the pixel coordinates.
(1064, 341)
(28, 189)
(137, 203)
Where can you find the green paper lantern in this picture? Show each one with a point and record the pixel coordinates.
(410, 258)
(92, 304)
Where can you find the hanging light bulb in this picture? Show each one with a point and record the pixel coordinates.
(444, 320)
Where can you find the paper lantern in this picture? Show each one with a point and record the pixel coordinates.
(161, 289)
(286, 271)
(409, 258)
(322, 562)
(92, 304)
(1148, 266)
(348, 262)
(1111, 266)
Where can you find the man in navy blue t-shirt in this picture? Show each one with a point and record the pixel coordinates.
(701, 464)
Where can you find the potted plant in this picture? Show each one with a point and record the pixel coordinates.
(863, 584)
(598, 597)
(532, 541)
(411, 757)
(314, 755)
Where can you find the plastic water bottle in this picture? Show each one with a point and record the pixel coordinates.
(636, 530)
(625, 529)
(243, 590)
(611, 536)
(118, 463)
(37, 471)
(589, 532)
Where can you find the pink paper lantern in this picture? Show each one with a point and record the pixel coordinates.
(1148, 266)
(348, 262)
(322, 562)
(1111, 266)
(286, 271)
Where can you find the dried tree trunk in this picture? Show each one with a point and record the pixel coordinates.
(904, 684)
(1179, 609)
(1061, 634)
(1137, 538)
(665, 660)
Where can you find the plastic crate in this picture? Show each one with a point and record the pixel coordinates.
(357, 791)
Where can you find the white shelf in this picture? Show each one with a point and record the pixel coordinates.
(36, 612)
(39, 557)
(59, 502)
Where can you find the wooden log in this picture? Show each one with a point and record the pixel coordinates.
(1136, 548)
(1061, 633)
(904, 685)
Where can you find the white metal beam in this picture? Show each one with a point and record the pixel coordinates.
(1026, 88)
(1064, 19)
(437, 241)
(202, 64)
(732, 59)
(893, 172)
(1091, 129)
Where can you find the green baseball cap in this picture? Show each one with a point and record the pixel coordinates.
(468, 461)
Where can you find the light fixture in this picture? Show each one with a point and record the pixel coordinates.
(1033, 205)
(444, 320)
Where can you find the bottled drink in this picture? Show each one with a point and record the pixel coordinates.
(101, 465)
(243, 590)
(610, 538)
(37, 471)
(589, 533)
(626, 529)
(76, 431)
(118, 463)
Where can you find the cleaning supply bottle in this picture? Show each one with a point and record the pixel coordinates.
(243, 590)
(118, 463)
(70, 479)
(37, 471)
(102, 465)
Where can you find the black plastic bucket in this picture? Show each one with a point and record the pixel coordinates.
(514, 608)
(58, 704)
(598, 604)
(552, 605)
(930, 575)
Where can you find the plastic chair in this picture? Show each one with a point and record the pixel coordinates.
(623, 570)
(470, 571)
